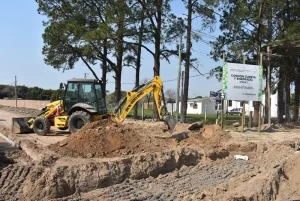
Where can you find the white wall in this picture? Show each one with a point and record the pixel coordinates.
(249, 105)
(274, 107)
(235, 104)
(169, 107)
(210, 106)
(191, 110)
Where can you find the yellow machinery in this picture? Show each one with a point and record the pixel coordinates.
(84, 102)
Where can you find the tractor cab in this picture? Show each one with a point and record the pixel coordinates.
(84, 93)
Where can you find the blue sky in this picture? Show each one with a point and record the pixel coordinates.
(21, 55)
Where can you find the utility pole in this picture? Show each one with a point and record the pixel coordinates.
(182, 82)
(16, 97)
(182, 90)
(178, 78)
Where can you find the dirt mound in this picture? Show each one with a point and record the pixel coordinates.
(210, 136)
(212, 132)
(105, 138)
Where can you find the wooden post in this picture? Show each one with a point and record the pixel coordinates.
(143, 111)
(222, 113)
(259, 103)
(222, 102)
(250, 120)
(243, 112)
(243, 117)
(16, 96)
(227, 104)
(205, 113)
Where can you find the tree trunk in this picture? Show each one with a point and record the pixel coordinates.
(118, 73)
(297, 92)
(138, 61)
(104, 66)
(187, 64)
(287, 78)
(256, 104)
(157, 49)
(287, 99)
(255, 113)
(280, 104)
(120, 52)
(267, 97)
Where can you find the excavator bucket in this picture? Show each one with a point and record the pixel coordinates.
(20, 125)
(170, 121)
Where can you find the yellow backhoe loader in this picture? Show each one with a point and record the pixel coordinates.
(84, 102)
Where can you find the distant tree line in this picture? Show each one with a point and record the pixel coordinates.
(30, 93)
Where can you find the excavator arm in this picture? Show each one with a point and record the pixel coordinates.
(132, 97)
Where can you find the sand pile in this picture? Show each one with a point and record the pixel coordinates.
(105, 138)
(213, 132)
(210, 136)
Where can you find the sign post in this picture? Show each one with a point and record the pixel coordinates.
(243, 112)
(222, 111)
(243, 82)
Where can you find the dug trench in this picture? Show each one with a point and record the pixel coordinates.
(135, 161)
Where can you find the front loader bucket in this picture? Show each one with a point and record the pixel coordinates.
(171, 122)
(20, 125)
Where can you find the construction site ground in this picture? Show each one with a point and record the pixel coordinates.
(139, 160)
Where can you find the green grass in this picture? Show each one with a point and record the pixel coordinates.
(210, 118)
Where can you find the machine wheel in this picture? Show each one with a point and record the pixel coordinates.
(78, 119)
(41, 126)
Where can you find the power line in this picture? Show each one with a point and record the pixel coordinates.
(205, 34)
(163, 81)
(121, 83)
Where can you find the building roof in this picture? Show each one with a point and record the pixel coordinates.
(202, 99)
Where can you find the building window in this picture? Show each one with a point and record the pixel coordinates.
(241, 104)
(230, 103)
(195, 106)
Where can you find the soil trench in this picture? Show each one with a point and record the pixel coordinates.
(192, 174)
(142, 161)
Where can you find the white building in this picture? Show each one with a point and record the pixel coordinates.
(197, 106)
(249, 105)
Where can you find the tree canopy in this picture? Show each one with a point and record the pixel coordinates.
(111, 35)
